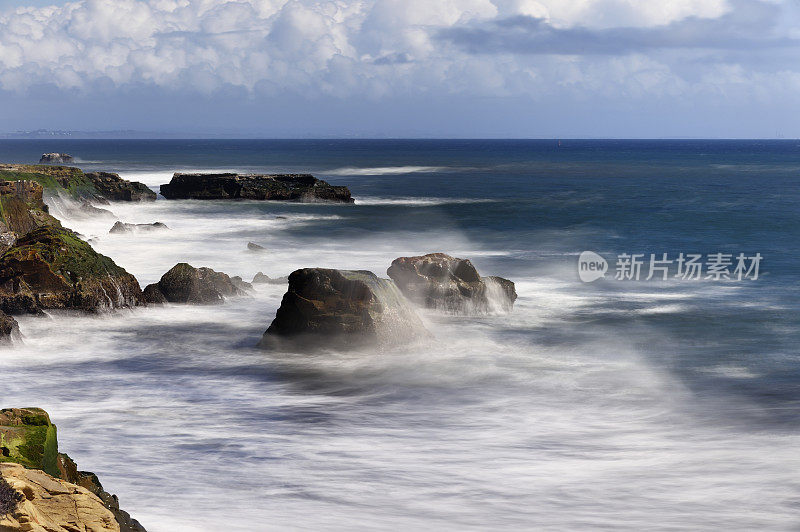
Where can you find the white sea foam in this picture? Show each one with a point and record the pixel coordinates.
(385, 170)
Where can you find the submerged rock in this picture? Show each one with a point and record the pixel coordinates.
(51, 268)
(285, 187)
(342, 308)
(252, 246)
(56, 158)
(447, 283)
(114, 188)
(121, 227)
(262, 278)
(55, 494)
(186, 284)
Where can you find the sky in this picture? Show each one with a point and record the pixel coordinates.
(403, 68)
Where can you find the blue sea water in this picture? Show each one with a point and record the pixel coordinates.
(608, 405)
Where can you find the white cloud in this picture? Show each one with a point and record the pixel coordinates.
(364, 48)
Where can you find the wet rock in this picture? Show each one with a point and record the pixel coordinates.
(56, 158)
(451, 284)
(342, 308)
(55, 494)
(9, 328)
(252, 246)
(187, 284)
(121, 227)
(51, 268)
(88, 210)
(262, 278)
(113, 187)
(284, 187)
(241, 284)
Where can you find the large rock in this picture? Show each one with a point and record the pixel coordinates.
(113, 187)
(286, 187)
(22, 209)
(56, 158)
(342, 308)
(447, 283)
(186, 284)
(55, 495)
(51, 268)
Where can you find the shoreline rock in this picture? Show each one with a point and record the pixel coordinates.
(54, 495)
(112, 187)
(51, 268)
(303, 188)
(442, 282)
(342, 308)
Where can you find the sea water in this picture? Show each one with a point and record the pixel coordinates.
(619, 405)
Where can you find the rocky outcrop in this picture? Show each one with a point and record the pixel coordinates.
(342, 308)
(22, 210)
(53, 495)
(56, 158)
(284, 187)
(51, 268)
(112, 187)
(121, 227)
(252, 246)
(447, 283)
(186, 284)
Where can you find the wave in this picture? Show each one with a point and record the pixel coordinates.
(386, 170)
(418, 202)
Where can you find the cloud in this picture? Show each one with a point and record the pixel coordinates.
(404, 49)
(749, 27)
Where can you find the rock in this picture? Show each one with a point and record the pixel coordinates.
(121, 227)
(241, 284)
(55, 158)
(90, 211)
(260, 277)
(22, 210)
(443, 282)
(55, 493)
(342, 308)
(252, 246)
(187, 284)
(51, 268)
(9, 328)
(285, 187)
(113, 187)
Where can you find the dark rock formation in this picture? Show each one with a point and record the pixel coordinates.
(342, 308)
(22, 210)
(114, 188)
(121, 227)
(187, 284)
(443, 282)
(252, 246)
(87, 210)
(285, 187)
(55, 158)
(51, 268)
(28, 438)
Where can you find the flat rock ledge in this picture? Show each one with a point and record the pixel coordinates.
(303, 188)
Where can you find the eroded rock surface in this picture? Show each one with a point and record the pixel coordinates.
(451, 284)
(122, 227)
(113, 187)
(55, 158)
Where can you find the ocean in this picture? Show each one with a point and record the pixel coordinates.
(608, 405)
